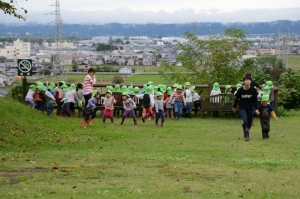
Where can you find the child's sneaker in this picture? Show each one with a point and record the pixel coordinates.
(149, 118)
(162, 125)
(155, 125)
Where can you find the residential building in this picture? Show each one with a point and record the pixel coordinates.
(19, 50)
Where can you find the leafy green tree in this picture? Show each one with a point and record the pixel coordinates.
(11, 9)
(289, 92)
(74, 65)
(218, 59)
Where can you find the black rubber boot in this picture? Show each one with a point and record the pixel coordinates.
(123, 118)
(247, 138)
(135, 123)
(267, 134)
(112, 120)
(264, 136)
(103, 121)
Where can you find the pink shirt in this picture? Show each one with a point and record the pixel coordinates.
(88, 84)
(109, 103)
(72, 96)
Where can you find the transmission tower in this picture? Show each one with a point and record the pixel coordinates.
(287, 47)
(59, 68)
(195, 28)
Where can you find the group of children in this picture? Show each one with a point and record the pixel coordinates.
(158, 101)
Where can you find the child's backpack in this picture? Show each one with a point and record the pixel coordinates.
(79, 104)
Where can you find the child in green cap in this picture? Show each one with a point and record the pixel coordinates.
(30, 95)
(215, 91)
(39, 96)
(159, 109)
(108, 104)
(66, 102)
(58, 97)
(72, 92)
(169, 108)
(49, 100)
(148, 103)
(89, 110)
(129, 106)
(196, 99)
(265, 111)
(228, 98)
(79, 97)
(179, 99)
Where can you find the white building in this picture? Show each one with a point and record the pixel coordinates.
(63, 45)
(126, 70)
(101, 40)
(19, 50)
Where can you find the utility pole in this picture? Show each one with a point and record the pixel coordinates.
(195, 28)
(58, 67)
(287, 47)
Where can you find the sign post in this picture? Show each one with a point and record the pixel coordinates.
(24, 69)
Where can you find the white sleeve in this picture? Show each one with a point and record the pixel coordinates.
(140, 96)
(152, 101)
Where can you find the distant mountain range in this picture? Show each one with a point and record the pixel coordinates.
(151, 29)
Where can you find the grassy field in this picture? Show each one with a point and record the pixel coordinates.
(294, 62)
(51, 157)
(142, 79)
(107, 79)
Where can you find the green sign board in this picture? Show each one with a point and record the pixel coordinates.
(24, 67)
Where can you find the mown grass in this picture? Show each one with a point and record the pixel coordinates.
(50, 157)
(294, 62)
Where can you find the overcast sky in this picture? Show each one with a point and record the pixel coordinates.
(158, 11)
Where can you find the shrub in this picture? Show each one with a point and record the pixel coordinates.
(289, 93)
(45, 72)
(118, 79)
(16, 92)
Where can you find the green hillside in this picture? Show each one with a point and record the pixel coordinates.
(51, 157)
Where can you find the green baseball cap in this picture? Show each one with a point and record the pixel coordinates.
(51, 86)
(72, 87)
(179, 87)
(136, 90)
(158, 94)
(187, 84)
(270, 84)
(148, 90)
(266, 90)
(227, 87)
(32, 87)
(265, 98)
(109, 91)
(125, 94)
(169, 90)
(117, 88)
(216, 86)
(238, 86)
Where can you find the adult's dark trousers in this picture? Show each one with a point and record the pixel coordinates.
(246, 116)
(86, 98)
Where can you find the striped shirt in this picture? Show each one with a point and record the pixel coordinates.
(178, 97)
(88, 84)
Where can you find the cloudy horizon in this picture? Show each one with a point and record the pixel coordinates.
(158, 11)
